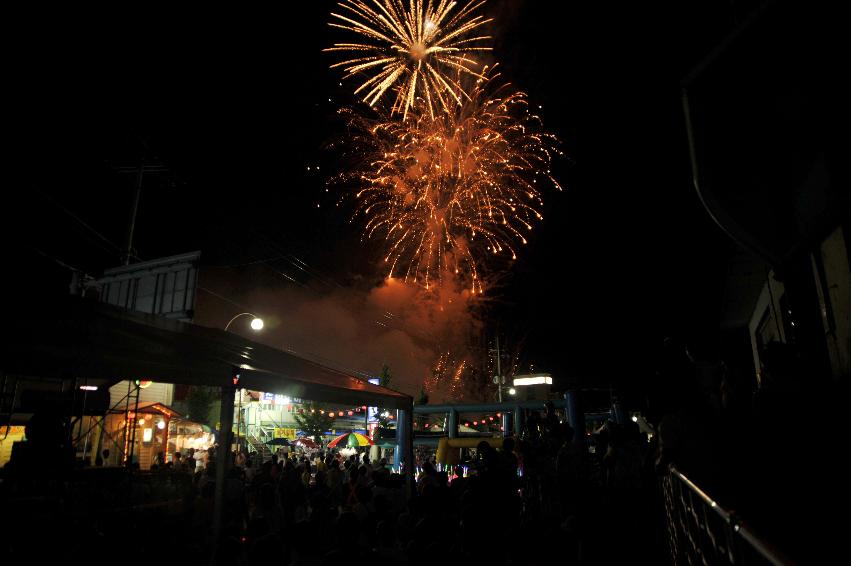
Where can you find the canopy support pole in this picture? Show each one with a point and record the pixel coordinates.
(223, 455)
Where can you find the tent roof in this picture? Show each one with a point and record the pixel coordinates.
(149, 407)
(76, 337)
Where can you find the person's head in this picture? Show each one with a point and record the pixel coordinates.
(483, 448)
(105, 453)
(508, 444)
(549, 408)
(191, 451)
(177, 456)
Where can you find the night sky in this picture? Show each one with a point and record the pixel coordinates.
(239, 103)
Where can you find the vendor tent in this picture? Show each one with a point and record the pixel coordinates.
(77, 340)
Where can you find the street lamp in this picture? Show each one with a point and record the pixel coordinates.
(256, 323)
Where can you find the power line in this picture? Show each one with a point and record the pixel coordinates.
(244, 264)
(83, 223)
(295, 261)
(52, 258)
(222, 297)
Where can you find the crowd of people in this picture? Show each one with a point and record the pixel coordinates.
(542, 490)
(588, 497)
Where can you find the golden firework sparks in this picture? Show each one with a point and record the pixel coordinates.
(412, 47)
(447, 191)
(446, 371)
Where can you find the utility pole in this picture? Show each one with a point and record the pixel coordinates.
(140, 172)
(498, 369)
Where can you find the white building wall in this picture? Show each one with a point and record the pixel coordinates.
(154, 393)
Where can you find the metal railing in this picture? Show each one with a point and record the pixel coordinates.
(700, 531)
(258, 437)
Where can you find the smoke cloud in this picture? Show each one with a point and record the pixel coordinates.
(395, 323)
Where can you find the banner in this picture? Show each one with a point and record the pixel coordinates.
(288, 433)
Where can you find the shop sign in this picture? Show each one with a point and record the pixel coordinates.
(288, 433)
(12, 430)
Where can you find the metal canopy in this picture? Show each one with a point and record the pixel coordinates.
(79, 338)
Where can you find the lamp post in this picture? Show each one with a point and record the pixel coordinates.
(256, 323)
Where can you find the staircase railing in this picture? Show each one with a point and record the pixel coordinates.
(257, 438)
(700, 531)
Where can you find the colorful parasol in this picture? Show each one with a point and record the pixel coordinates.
(350, 439)
(306, 442)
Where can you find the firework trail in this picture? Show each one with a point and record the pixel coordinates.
(445, 192)
(415, 48)
(449, 372)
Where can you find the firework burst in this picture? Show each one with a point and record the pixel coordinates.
(448, 372)
(448, 191)
(412, 47)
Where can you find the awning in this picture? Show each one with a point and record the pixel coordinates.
(147, 408)
(76, 337)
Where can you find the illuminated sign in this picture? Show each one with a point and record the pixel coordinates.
(543, 379)
(288, 433)
(372, 412)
